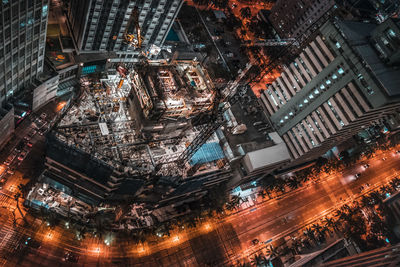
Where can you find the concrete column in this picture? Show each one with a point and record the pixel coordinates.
(332, 116)
(283, 87)
(274, 96)
(308, 64)
(351, 101)
(279, 91)
(310, 132)
(358, 97)
(339, 111)
(326, 120)
(345, 107)
(315, 116)
(300, 152)
(297, 73)
(267, 104)
(305, 136)
(313, 59)
(325, 48)
(316, 130)
(288, 84)
(290, 145)
(296, 133)
(319, 54)
(294, 82)
(303, 70)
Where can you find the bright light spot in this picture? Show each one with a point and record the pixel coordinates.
(176, 239)
(207, 226)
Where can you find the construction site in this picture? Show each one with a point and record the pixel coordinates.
(139, 121)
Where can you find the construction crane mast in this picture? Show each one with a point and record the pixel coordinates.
(132, 33)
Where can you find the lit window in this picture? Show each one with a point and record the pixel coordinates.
(44, 11)
(391, 33)
(340, 71)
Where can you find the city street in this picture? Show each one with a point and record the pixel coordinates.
(226, 241)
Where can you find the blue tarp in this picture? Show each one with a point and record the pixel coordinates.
(207, 153)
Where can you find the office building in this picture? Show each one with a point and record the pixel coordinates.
(99, 26)
(293, 18)
(384, 257)
(342, 81)
(23, 27)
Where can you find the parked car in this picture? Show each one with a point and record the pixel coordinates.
(29, 144)
(357, 175)
(366, 166)
(22, 156)
(10, 158)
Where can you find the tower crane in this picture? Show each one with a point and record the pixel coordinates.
(132, 33)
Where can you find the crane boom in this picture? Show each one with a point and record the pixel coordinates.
(130, 38)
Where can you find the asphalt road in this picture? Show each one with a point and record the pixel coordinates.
(230, 238)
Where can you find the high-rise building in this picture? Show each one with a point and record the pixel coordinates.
(342, 81)
(293, 18)
(386, 256)
(98, 25)
(23, 25)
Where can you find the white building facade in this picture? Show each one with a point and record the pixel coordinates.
(337, 85)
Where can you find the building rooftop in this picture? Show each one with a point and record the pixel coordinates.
(359, 35)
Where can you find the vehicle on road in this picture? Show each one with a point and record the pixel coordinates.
(10, 158)
(357, 175)
(383, 159)
(22, 156)
(71, 257)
